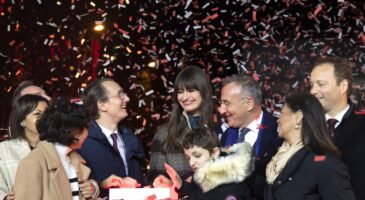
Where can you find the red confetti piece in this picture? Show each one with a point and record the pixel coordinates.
(319, 158)
(254, 16)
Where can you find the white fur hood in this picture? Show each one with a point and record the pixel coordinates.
(233, 168)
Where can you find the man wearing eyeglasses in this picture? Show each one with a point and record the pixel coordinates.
(240, 104)
(113, 153)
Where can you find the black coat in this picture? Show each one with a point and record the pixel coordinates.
(307, 176)
(349, 137)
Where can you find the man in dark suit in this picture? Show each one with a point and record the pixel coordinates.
(113, 153)
(241, 106)
(331, 81)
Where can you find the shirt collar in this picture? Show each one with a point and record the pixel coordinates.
(255, 124)
(62, 150)
(340, 115)
(106, 131)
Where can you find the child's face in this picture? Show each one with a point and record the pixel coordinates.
(197, 156)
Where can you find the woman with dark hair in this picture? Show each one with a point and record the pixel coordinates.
(23, 138)
(192, 107)
(307, 165)
(54, 168)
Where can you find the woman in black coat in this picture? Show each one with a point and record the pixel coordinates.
(307, 165)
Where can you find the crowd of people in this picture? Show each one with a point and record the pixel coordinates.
(65, 149)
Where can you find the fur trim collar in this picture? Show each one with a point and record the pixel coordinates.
(233, 168)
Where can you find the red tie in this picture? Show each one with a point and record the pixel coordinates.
(331, 126)
(115, 141)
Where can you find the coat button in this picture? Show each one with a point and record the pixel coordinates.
(279, 182)
(290, 178)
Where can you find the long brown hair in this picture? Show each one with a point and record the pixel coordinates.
(191, 77)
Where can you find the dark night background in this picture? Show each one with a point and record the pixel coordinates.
(53, 43)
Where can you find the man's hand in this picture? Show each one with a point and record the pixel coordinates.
(114, 181)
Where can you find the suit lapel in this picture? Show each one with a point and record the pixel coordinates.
(264, 137)
(97, 134)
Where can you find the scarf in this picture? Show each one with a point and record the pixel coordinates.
(194, 121)
(278, 162)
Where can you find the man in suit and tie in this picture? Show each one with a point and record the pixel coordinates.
(113, 153)
(331, 81)
(241, 106)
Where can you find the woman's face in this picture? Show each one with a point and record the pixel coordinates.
(81, 136)
(286, 122)
(190, 100)
(31, 119)
(197, 156)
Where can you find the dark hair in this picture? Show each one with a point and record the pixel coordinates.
(342, 70)
(61, 121)
(249, 86)
(314, 133)
(94, 93)
(18, 91)
(23, 107)
(201, 137)
(191, 77)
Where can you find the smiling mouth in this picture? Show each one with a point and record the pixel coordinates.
(188, 103)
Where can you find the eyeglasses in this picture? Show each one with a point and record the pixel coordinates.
(227, 104)
(121, 95)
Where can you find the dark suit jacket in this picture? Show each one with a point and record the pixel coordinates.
(265, 148)
(310, 177)
(104, 161)
(349, 137)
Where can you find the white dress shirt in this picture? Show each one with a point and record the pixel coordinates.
(339, 116)
(254, 127)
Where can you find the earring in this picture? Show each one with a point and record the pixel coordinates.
(22, 124)
(296, 126)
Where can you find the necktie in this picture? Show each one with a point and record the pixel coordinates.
(331, 126)
(115, 141)
(242, 135)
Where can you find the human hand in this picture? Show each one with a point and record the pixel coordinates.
(114, 181)
(87, 189)
(10, 196)
(162, 181)
(175, 178)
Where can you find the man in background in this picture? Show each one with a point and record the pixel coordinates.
(331, 81)
(27, 87)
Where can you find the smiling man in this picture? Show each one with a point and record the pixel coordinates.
(113, 153)
(241, 106)
(331, 81)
